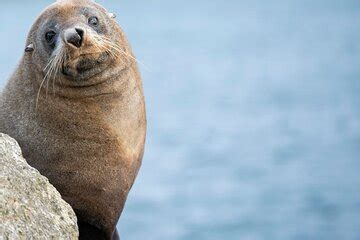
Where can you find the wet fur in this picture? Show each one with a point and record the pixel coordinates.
(86, 133)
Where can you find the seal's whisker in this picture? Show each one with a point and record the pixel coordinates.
(50, 75)
(101, 48)
(51, 70)
(115, 48)
(118, 49)
(39, 91)
(58, 64)
(112, 53)
(63, 61)
(101, 45)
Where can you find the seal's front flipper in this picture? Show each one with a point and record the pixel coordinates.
(89, 232)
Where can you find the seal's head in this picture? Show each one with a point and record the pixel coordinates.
(76, 40)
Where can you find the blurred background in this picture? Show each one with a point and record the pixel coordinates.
(254, 116)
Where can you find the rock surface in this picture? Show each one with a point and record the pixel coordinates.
(31, 208)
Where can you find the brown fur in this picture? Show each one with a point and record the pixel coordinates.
(87, 136)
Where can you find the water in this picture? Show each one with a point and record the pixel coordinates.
(254, 118)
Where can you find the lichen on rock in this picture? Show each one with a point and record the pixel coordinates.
(31, 208)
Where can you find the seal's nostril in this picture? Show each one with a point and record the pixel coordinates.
(80, 32)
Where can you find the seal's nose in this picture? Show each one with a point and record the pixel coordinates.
(74, 36)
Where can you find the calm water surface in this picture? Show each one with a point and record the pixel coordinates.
(254, 117)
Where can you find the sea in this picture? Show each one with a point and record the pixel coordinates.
(253, 116)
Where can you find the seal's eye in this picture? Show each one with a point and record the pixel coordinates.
(49, 36)
(94, 21)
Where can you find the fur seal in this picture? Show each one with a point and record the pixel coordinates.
(75, 104)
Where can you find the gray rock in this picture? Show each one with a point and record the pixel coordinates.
(31, 208)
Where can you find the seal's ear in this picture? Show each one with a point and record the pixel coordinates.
(30, 48)
(112, 15)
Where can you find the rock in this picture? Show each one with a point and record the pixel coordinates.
(31, 208)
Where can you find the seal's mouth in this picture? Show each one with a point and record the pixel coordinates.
(85, 65)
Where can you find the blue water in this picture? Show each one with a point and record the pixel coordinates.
(254, 117)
